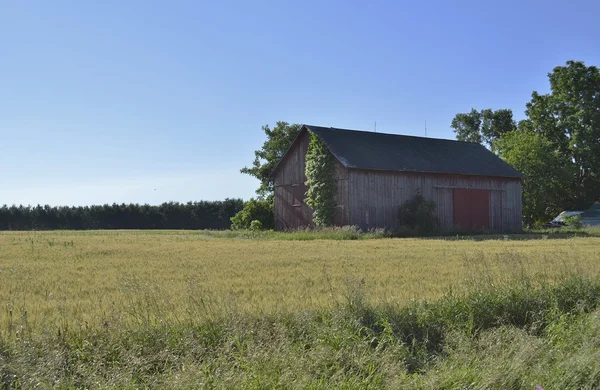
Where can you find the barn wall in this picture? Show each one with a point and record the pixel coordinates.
(342, 211)
(374, 197)
(290, 175)
(512, 207)
(370, 199)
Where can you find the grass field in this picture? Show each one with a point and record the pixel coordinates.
(149, 294)
(80, 277)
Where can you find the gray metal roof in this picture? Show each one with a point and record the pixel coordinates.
(393, 152)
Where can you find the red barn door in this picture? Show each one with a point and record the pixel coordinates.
(471, 209)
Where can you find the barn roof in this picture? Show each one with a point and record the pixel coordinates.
(393, 152)
(592, 213)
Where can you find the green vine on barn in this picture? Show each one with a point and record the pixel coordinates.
(320, 180)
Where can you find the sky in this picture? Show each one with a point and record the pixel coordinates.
(152, 101)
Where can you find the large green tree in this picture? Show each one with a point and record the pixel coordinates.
(279, 139)
(544, 191)
(483, 127)
(569, 118)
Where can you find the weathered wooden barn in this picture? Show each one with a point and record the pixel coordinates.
(375, 173)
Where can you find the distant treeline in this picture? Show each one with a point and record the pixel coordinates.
(171, 215)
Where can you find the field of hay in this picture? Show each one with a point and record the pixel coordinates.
(203, 309)
(79, 278)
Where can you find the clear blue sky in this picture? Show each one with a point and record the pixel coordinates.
(146, 101)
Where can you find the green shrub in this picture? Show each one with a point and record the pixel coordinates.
(417, 215)
(256, 225)
(573, 221)
(259, 210)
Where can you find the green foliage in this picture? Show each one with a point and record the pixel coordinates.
(418, 215)
(557, 146)
(171, 215)
(320, 180)
(255, 211)
(573, 221)
(483, 127)
(279, 139)
(569, 118)
(256, 225)
(467, 126)
(544, 191)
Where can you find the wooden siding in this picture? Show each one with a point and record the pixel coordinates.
(374, 197)
(290, 175)
(369, 199)
(342, 211)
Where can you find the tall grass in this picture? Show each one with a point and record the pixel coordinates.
(323, 233)
(509, 336)
(354, 233)
(174, 310)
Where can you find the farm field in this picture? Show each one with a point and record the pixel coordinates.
(146, 294)
(78, 277)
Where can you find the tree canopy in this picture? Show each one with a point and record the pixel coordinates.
(543, 188)
(279, 139)
(569, 118)
(484, 127)
(171, 215)
(557, 146)
(266, 158)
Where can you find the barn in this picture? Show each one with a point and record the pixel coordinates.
(375, 173)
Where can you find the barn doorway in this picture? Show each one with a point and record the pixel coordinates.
(471, 209)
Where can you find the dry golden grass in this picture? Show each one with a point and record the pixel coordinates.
(167, 309)
(91, 279)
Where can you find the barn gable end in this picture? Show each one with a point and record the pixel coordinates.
(289, 178)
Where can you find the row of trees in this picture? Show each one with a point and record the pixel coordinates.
(557, 146)
(171, 215)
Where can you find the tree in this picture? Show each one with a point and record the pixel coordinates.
(569, 118)
(483, 127)
(171, 215)
(278, 141)
(255, 210)
(496, 124)
(544, 189)
(467, 126)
